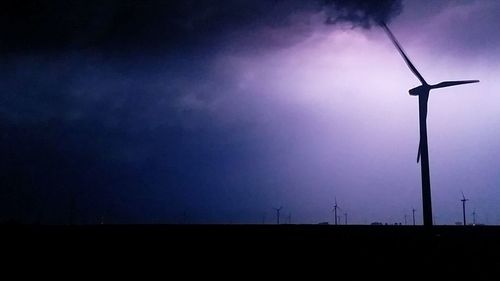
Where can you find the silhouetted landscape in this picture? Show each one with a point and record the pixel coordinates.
(455, 250)
(277, 130)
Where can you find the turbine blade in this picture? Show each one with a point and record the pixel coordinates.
(453, 83)
(418, 153)
(403, 54)
(463, 196)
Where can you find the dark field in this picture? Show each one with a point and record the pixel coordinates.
(471, 250)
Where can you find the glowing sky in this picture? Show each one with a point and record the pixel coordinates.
(258, 116)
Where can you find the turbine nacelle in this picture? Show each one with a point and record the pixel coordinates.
(420, 90)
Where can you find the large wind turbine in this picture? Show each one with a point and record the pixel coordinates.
(422, 92)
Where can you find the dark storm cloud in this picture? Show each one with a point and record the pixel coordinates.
(149, 25)
(75, 119)
(361, 12)
(111, 132)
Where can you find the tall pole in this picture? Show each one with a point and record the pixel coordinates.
(463, 209)
(474, 217)
(424, 155)
(335, 213)
(345, 215)
(413, 211)
(278, 214)
(405, 220)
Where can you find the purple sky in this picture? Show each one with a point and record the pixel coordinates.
(331, 116)
(292, 114)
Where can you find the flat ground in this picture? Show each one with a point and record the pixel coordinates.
(467, 250)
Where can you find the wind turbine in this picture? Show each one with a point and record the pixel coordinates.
(413, 213)
(278, 214)
(474, 217)
(422, 92)
(335, 207)
(463, 206)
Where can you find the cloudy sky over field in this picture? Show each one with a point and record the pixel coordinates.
(217, 111)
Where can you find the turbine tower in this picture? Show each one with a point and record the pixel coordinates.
(413, 213)
(278, 210)
(335, 207)
(422, 92)
(463, 206)
(474, 217)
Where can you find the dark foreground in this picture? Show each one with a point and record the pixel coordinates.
(471, 250)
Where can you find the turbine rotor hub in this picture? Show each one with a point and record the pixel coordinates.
(420, 90)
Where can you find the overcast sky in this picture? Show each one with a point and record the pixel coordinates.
(218, 111)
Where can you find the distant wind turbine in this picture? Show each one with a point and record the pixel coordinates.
(422, 92)
(463, 206)
(413, 213)
(335, 207)
(474, 217)
(278, 210)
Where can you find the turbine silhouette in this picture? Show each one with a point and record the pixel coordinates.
(278, 210)
(422, 92)
(335, 207)
(463, 207)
